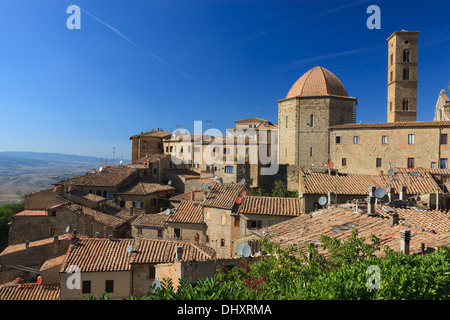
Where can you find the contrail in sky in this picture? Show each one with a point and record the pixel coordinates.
(132, 42)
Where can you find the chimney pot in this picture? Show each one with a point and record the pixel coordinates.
(402, 194)
(371, 205)
(372, 191)
(405, 237)
(391, 192)
(393, 219)
(55, 238)
(110, 237)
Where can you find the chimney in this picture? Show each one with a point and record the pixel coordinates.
(370, 205)
(402, 194)
(405, 237)
(27, 245)
(179, 253)
(393, 219)
(105, 232)
(391, 192)
(97, 234)
(55, 238)
(330, 197)
(110, 237)
(94, 171)
(372, 191)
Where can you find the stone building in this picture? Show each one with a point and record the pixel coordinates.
(147, 143)
(316, 101)
(442, 110)
(136, 265)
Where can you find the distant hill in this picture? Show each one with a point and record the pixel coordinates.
(25, 172)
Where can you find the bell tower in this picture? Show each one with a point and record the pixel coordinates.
(402, 76)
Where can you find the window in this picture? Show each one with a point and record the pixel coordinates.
(378, 162)
(86, 287)
(139, 231)
(109, 196)
(171, 148)
(285, 152)
(160, 233)
(338, 140)
(196, 165)
(344, 162)
(53, 213)
(384, 139)
(207, 239)
(167, 148)
(222, 242)
(390, 106)
(355, 139)
(433, 165)
(197, 149)
(405, 74)
(137, 204)
(410, 138)
(286, 122)
(52, 231)
(155, 170)
(151, 272)
(177, 233)
(443, 163)
(392, 58)
(443, 138)
(229, 169)
(405, 105)
(237, 221)
(392, 76)
(311, 121)
(122, 204)
(223, 220)
(410, 163)
(144, 145)
(310, 151)
(226, 150)
(189, 148)
(405, 55)
(109, 286)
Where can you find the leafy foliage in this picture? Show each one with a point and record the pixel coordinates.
(6, 211)
(279, 190)
(299, 274)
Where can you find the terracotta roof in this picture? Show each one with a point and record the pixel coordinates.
(31, 213)
(223, 195)
(351, 184)
(317, 82)
(187, 212)
(153, 133)
(150, 158)
(184, 196)
(151, 220)
(100, 255)
(88, 196)
(268, 126)
(29, 291)
(186, 173)
(338, 223)
(112, 217)
(406, 124)
(52, 262)
(419, 182)
(250, 120)
(32, 243)
(144, 186)
(270, 206)
(108, 177)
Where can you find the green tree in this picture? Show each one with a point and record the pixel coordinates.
(6, 211)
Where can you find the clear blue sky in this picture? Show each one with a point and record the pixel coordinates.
(138, 65)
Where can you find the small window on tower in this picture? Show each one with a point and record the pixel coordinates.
(311, 121)
(338, 140)
(405, 74)
(405, 106)
(405, 55)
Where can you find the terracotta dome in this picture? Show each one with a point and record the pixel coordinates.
(317, 82)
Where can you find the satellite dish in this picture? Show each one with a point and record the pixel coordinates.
(167, 212)
(244, 193)
(156, 284)
(380, 193)
(391, 172)
(215, 176)
(239, 248)
(242, 181)
(238, 200)
(100, 170)
(323, 200)
(120, 162)
(169, 182)
(129, 248)
(39, 280)
(67, 228)
(246, 251)
(330, 165)
(221, 180)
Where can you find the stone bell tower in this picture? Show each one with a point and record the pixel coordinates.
(402, 76)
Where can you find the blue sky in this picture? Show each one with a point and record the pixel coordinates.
(138, 65)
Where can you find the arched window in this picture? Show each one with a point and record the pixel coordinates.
(405, 55)
(311, 121)
(405, 105)
(405, 74)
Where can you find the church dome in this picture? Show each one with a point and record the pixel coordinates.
(317, 82)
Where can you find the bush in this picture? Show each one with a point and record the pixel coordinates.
(6, 211)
